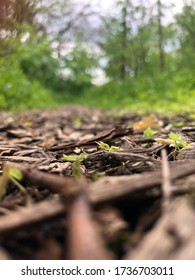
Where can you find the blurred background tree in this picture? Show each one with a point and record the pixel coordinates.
(59, 51)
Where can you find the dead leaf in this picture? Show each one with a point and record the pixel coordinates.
(150, 121)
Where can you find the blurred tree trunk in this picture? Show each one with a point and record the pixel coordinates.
(124, 40)
(160, 36)
(15, 13)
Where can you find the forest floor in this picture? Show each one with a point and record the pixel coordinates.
(81, 183)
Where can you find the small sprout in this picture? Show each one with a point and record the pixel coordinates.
(16, 176)
(148, 132)
(74, 158)
(178, 142)
(15, 173)
(179, 124)
(109, 148)
(11, 174)
(77, 122)
(4, 181)
(76, 163)
(174, 141)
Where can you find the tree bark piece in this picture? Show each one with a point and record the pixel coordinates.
(84, 239)
(172, 237)
(114, 188)
(29, 216)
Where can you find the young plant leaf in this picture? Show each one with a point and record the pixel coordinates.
(15, 176)
(73, 158)
(76, 159)
(115, 149)
(174, 141)
(4, 181)
(70, 158)
(15, 173)
(148, 132)
(77, 122)
(178, 142)
(108, 148)
(103, 145)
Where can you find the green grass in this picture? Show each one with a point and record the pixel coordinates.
(118, 97)
(165, 93)
(159, 94)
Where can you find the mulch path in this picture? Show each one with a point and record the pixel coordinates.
(136, 202)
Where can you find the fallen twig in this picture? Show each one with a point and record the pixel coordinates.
(32, 215)
(166, 181)
(84, 240)
(108, 189)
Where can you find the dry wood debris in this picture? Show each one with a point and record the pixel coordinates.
(136, 202)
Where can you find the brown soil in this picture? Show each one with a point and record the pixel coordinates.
(136, 202)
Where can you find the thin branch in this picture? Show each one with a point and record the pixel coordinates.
(84, 239)
(166, 181)
(30, 216)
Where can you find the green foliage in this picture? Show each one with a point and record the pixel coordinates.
(148, 132)
(186, 24)
(108, 148)
(18, 89)
(175, 140)
(38, 64)
(178, 143)
(79, 65)
(77, 122)
(17, 92)
(74, 158)
(34, 74)
(77, 160)
(162, 93)
(14, 175)
(3, 182)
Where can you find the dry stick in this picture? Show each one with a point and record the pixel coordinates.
(19, 159)
(108, 189)
(84, 241)
(29, 216)
(166, 181)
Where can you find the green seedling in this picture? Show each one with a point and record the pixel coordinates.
(16, 177)
(108, 148)
(77, 122)
(179, 124)
(77, 160)
(148, 132)
(174, 141)
(178, 142)
(11, 174)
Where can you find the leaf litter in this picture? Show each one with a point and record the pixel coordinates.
(77, 175)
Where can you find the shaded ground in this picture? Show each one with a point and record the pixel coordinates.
(135, 202)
